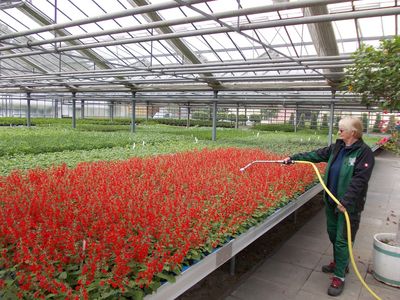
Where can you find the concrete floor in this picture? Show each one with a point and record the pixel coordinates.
(294, 272)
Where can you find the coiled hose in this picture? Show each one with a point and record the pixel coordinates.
(347, 226)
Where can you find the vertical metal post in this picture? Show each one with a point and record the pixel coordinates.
(133, 117)
(214, 117)
(147, 110)
(73, 109)
(112, 111)
(237, 117)
(56, 108)
(295, 118)
(28, 114)
(188, 115)
(331, 118)
(82, 109)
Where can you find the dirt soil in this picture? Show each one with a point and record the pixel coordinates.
(219, 284)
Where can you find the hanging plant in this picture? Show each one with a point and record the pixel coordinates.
(375, 74)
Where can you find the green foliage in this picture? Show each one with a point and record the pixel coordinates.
(364, 119)
(337, 119)
(324, 122)
(200, 115)
(291, 119)
(255, 118)
(378, 120)
(302, 121)
(274, 127)
(314, 121)
(375, 74)
(269, 113)
(24, 148)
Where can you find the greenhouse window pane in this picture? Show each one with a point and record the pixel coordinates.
(88, 7)
(345, 29)
(389, 25)
(371, 27)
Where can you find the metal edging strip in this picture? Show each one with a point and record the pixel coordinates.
(211, 262)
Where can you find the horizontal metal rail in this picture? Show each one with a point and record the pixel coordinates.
(211, 262)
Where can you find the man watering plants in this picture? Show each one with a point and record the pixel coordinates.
(350, 163)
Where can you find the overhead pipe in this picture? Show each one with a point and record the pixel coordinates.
(168, 23)
(252, 26)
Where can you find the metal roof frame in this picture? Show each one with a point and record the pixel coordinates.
(83, 69)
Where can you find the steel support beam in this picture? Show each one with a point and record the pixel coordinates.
(74, 110)
(28, 113)
(214, 117)
(133, 116)
(331, 118)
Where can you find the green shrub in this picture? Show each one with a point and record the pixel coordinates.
(314, 121)
(274, 127)
(324, 122)
(302, 121)
(255, 118)
(378, 120)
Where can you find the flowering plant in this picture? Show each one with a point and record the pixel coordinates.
(392, 127)
(117, 230)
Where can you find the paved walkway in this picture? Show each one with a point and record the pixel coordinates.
(294, 272)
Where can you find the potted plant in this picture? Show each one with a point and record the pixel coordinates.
(386, 257)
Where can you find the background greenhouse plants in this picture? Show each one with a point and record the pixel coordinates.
(22, 148)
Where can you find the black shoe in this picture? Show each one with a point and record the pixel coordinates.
(336, 287)
(331, 268)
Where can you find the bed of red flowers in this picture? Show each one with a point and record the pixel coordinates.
(119, 229)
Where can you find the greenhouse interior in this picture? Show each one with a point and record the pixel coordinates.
(136, 138)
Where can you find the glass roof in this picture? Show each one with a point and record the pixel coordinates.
(192, 45)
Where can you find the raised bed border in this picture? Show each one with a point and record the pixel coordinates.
(211, 262)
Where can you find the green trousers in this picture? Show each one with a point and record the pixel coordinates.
(336, 226)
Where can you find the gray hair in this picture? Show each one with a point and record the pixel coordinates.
(352, 124)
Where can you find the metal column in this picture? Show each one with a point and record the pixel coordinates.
(82, 109)
(133, 117)
(112, 111)
(147, 110)
(331, 118)
(214, 117)
(188, 116)
(237, 117)
(28, 113)
(73, 109)
(295, 118)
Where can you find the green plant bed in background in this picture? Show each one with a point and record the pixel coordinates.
(24, 148)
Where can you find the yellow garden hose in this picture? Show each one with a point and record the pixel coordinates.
(347, 225)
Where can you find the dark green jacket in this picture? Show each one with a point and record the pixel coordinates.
(355, 172)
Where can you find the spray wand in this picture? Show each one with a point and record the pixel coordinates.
(288, 162)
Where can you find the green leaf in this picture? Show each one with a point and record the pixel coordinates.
(63, 276)
(169, 277)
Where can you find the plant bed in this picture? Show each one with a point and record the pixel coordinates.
(120, 229)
